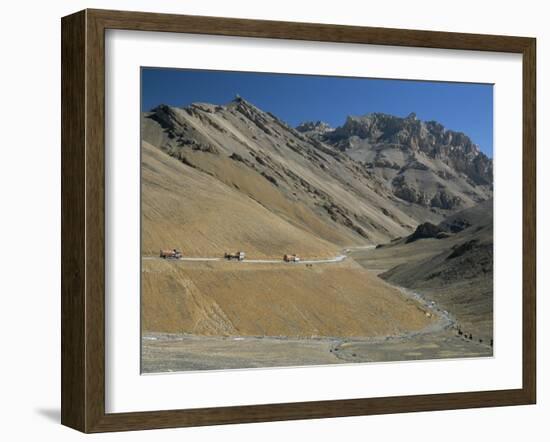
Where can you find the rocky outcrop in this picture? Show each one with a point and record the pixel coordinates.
(313, 129)
(454, 148)
(427, 230)
(402, 189)
(421, 162)
(444, 200)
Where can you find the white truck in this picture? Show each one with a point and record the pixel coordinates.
(238, 256)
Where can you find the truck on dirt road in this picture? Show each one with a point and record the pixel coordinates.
(291, 258)
(238, 256)
(170, 254)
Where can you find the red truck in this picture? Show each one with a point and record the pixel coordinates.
(170, 254)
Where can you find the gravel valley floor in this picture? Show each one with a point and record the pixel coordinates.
(172, 353)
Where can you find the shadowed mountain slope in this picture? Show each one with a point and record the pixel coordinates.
(455, 270)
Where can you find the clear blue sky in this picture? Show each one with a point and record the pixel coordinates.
(464, 107)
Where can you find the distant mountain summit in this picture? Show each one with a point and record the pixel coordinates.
(420, 161)
(374, 178)
(314, 128)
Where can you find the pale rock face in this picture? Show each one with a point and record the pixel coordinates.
(422, 162)
(314, 128)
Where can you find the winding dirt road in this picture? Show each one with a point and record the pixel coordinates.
(330, 260)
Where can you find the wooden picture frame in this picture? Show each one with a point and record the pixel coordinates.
(83, 220)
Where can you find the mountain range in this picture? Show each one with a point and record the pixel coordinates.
(258, 182)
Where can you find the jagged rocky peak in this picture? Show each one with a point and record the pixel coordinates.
(240, 103)
(314, 127)
(163, 111)
(380, 127)
(166, 116)
(247, 109)
(238, 100)
(390, 129)
(263, 120)
(411, 134)
(205, 107)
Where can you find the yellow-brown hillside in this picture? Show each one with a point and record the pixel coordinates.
(192, 211)
(236, 299)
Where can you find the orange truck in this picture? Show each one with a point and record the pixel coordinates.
(170, 254)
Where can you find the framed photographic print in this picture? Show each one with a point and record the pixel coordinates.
(269, 220)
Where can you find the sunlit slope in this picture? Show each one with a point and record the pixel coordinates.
(239, 299)
(192, 211)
